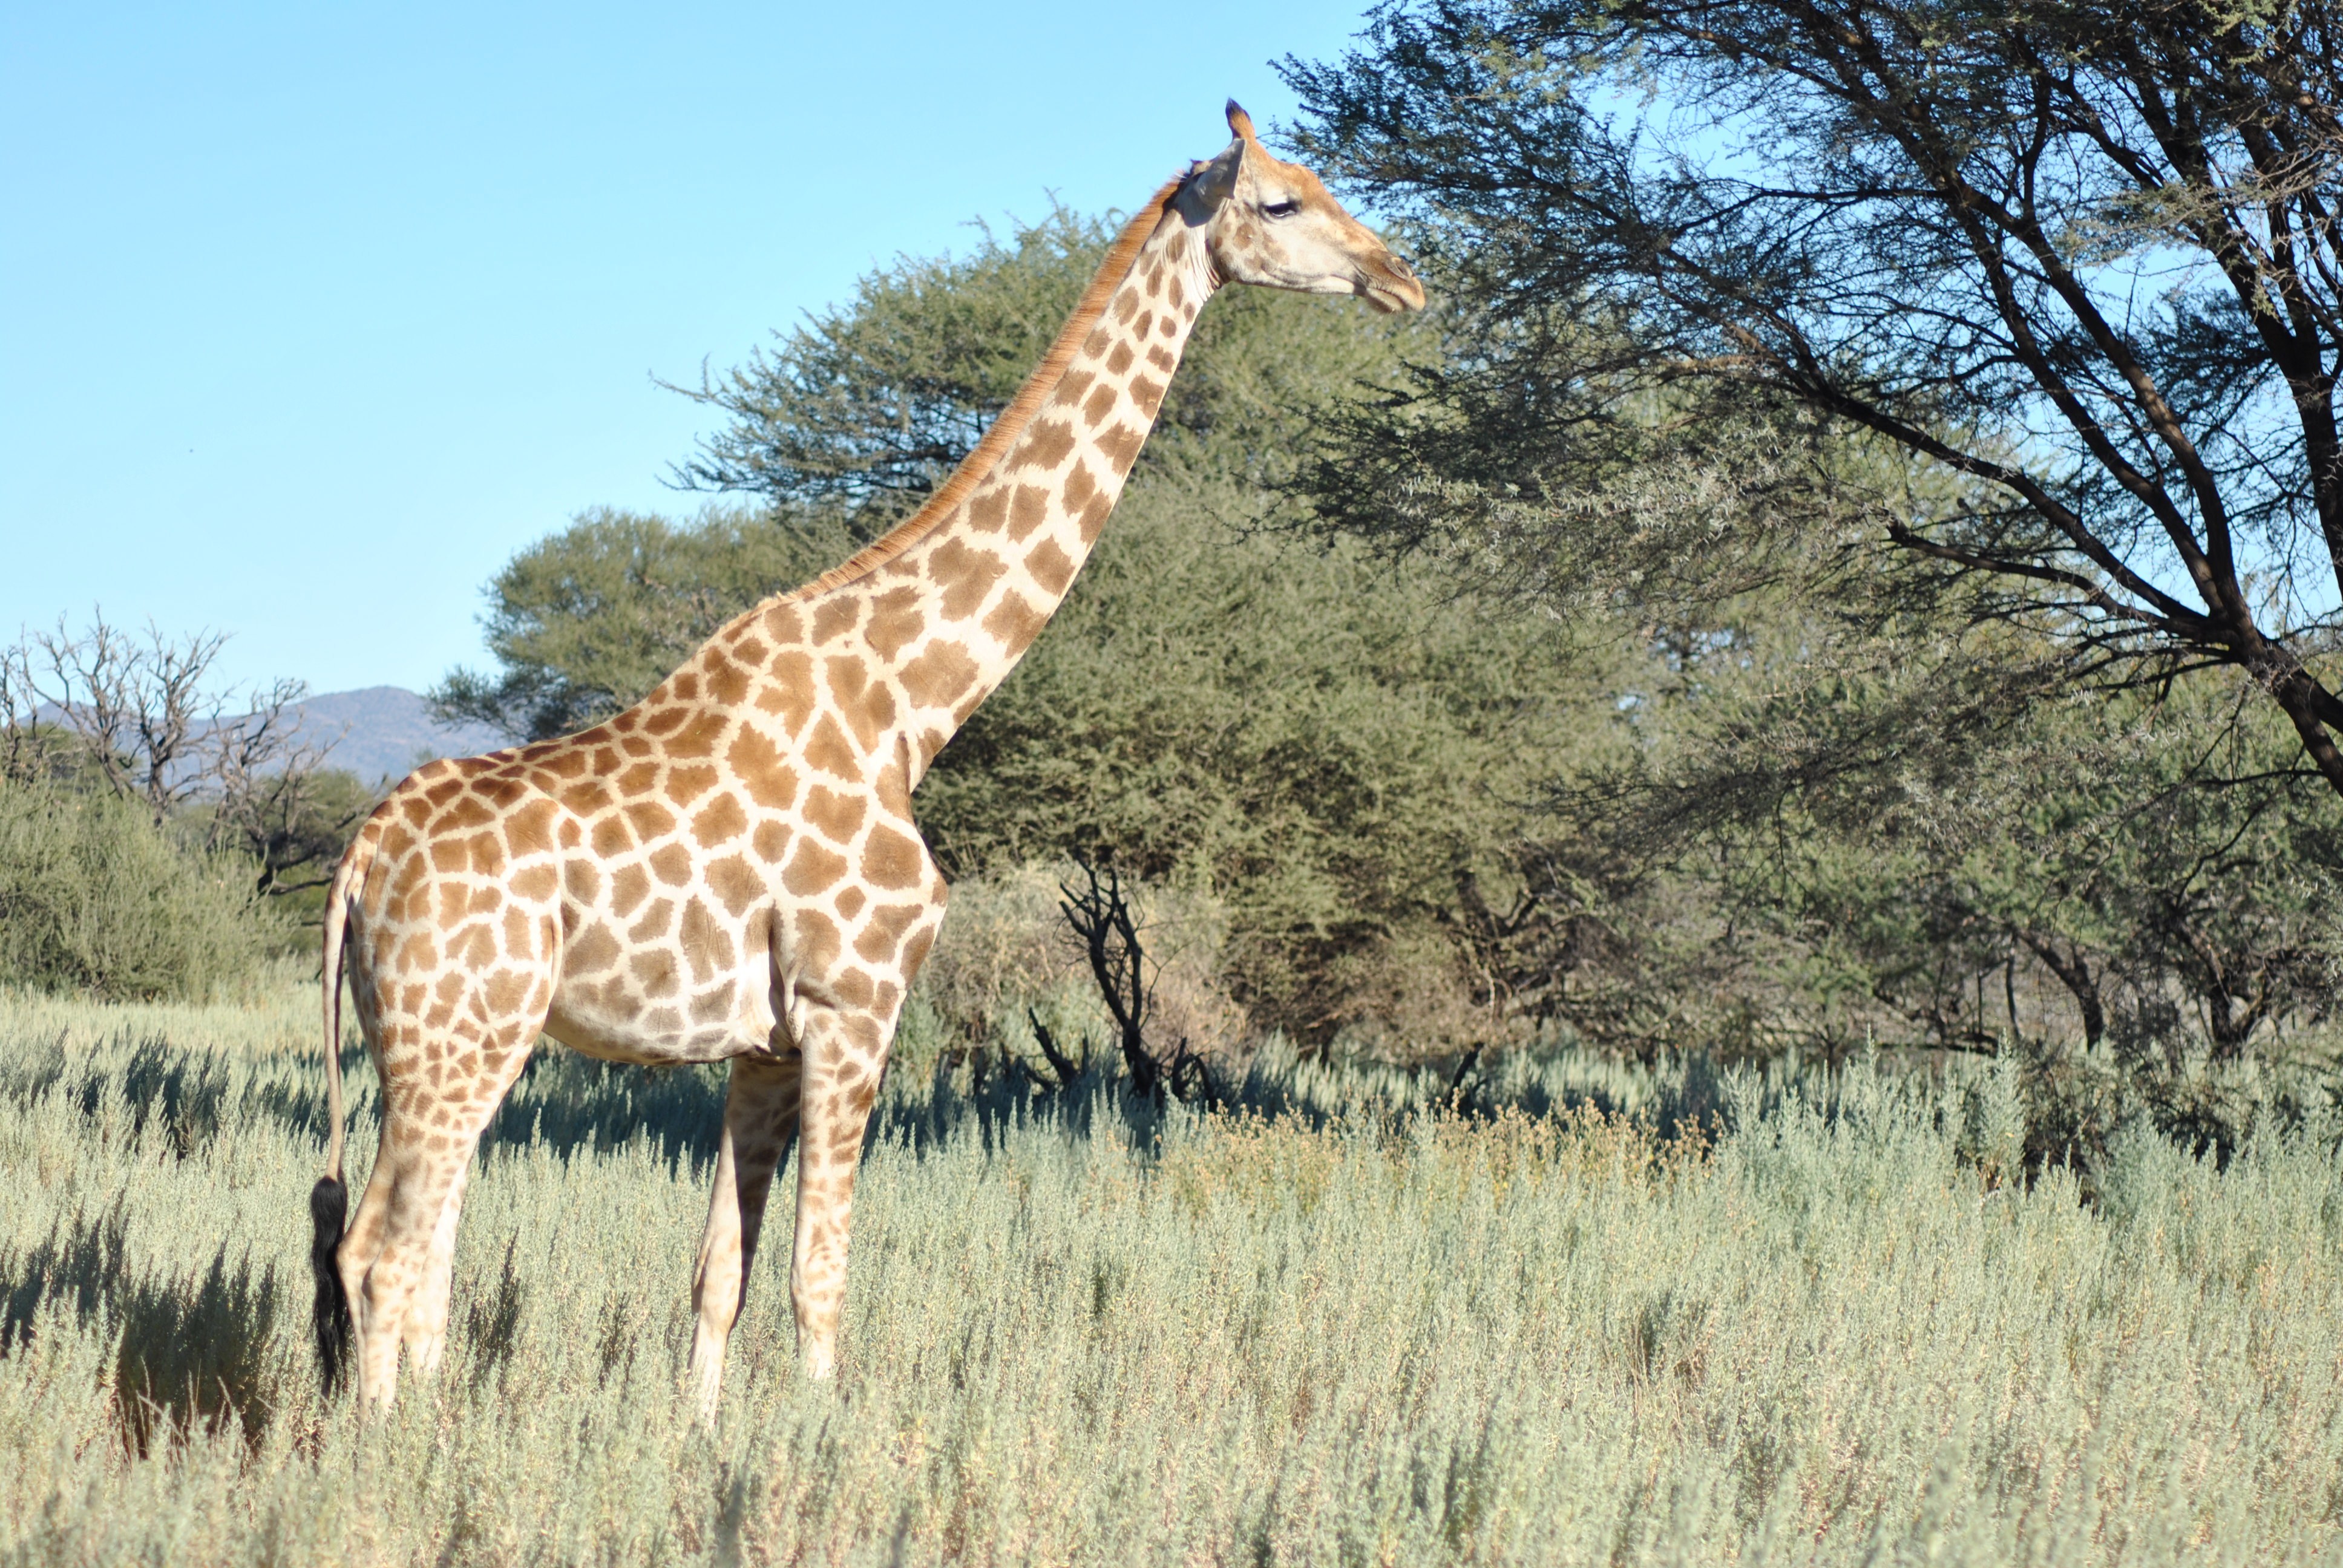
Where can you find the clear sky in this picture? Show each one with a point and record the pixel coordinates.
(311, 315)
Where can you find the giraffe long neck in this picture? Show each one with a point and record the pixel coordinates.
(946, 616)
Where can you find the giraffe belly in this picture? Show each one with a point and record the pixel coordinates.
(647, 1041)
(667, 1004)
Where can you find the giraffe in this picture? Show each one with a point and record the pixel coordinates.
(729, 870)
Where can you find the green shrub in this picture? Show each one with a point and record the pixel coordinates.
(94, 897)
(1330, 749)
(1007, 957)
(1344, 1323)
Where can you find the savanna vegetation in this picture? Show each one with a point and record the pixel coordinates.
(1733, 844)
(161, 835)
(1584, 1312)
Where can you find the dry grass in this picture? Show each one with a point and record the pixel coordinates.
(1340, 1326)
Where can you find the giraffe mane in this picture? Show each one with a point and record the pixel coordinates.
(987, 454)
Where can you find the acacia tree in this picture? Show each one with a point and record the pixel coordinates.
(2145, 851)
(2082, 256)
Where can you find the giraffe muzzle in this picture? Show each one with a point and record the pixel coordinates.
(1390, 285)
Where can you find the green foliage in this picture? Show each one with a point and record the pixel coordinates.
(1922, 835)
(1809, 382)
(1834, 1330)
(1327, 747)
(2160, 857)
(589, 620)
(2059, 250)
(96, 896)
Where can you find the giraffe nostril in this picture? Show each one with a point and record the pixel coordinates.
(1400, 267)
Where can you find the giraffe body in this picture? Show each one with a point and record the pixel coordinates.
(729, 870)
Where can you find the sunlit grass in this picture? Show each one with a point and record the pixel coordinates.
(1348, 1326)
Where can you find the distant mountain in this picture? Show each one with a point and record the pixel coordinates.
(382, 733)
(385, 731)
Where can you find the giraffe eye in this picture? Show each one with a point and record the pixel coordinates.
(1281, 208)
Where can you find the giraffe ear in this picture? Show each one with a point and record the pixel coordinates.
(1241, 123)
(1215, 180)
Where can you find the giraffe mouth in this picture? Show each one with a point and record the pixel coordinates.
(1390, 285)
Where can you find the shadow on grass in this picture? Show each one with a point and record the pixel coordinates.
(566, 1103)
(189, 1353)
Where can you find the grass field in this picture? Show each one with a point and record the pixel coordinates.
(1349, 1328)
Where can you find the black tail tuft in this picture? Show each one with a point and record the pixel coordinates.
(328, 1205)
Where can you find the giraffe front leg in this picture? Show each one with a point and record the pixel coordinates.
(844, 1053)
(760, 1117)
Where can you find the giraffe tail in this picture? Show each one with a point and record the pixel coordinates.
(329, 1198)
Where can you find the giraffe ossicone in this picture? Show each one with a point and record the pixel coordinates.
(729, 870)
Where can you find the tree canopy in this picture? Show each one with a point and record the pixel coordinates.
(1647, 730)
(1332, 748)
(2080, 257)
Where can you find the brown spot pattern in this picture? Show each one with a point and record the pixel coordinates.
(719, 823)
(967, 576)
(828, 750)
(757, 762)
(942, 672)
(835, 814)
(892, 860)
(812, 868)
(1014, 622)
(1028, 511)
(1045, 447)
(1052, 567)
(835, 617)
(896, 617)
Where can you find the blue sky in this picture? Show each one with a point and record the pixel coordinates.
(311, 315)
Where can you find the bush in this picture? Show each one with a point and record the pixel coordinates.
(1006, 955)
(1328, 746)
(96, 896)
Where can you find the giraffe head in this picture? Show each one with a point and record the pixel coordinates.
(1272, 223)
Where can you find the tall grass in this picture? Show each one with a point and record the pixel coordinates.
(1349, 1327)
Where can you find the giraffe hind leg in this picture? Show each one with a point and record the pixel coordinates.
(424, 1331)
(394, 1261)
(361, 1244)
